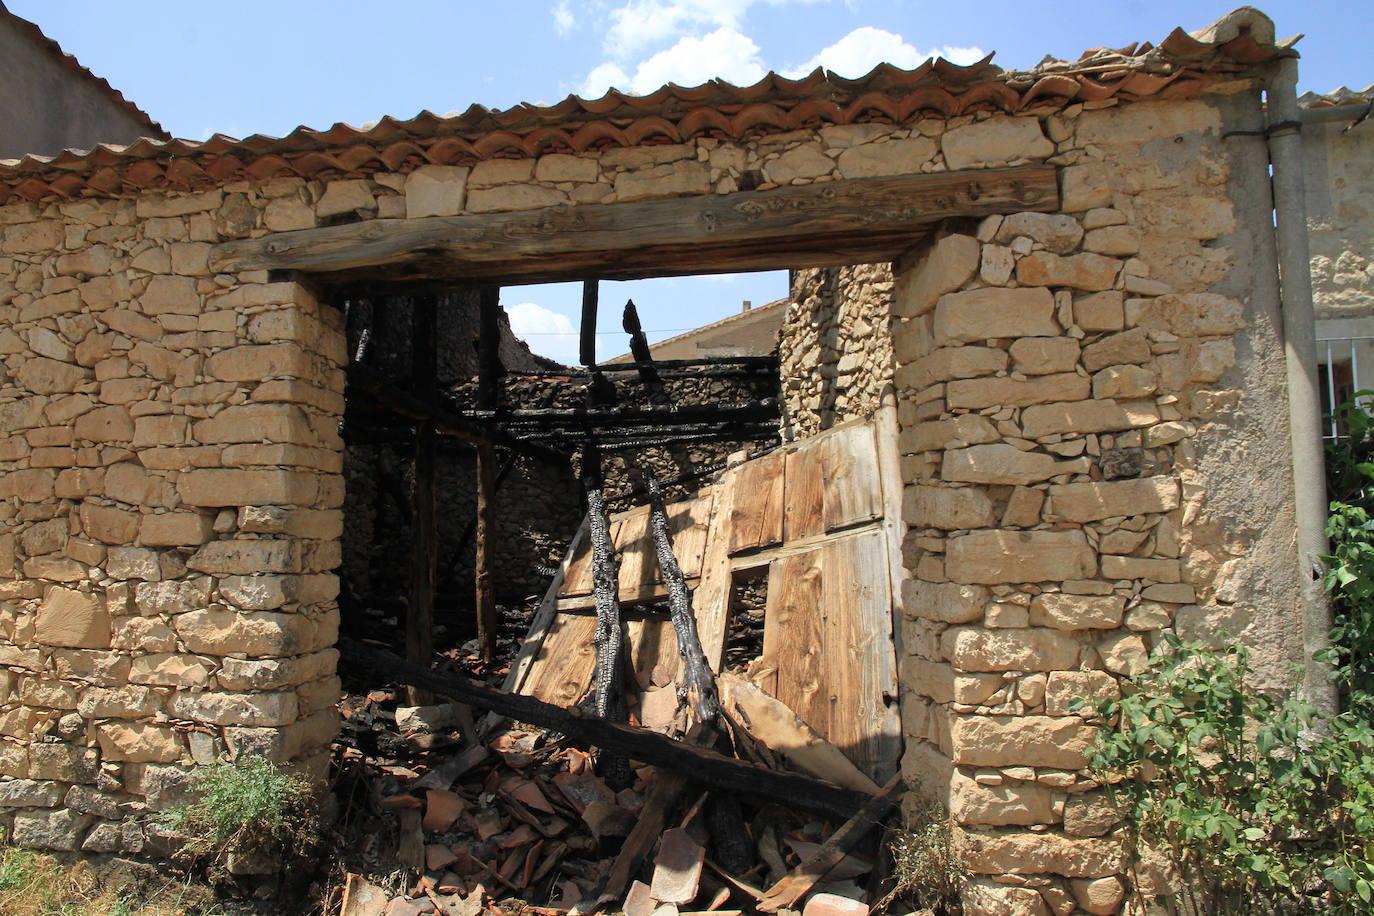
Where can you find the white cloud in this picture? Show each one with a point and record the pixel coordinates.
(563, 20)
(547, 332)
(864, 48)
(642, 23)
(724, 53)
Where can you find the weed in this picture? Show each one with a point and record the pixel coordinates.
(252, 807)
(927, 863)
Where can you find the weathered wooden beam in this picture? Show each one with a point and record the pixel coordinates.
(834, 222)
(586, 346)
(424, 542)
(610, 635)
(485, 560)
(700, 765)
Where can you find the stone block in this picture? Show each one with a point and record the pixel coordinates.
(1124, 654)
(153, 598)
(244, 557)
(1091, 687)
(29, 793)
(1102, 311)
(893, 157)
(997, 557)
(948, 602)
(1098, 895)
(978, 393)
(255, 362)
(1000, 463)
(169, 670)
(947, 507)
(1037, 649)
(983, 314)
(827, 904)
(71, 618)
(1189, 315)
(969, 429)
(1085, 271)
(557, 167)
(988, 898)
(942, 268)
(105, 424)
(1140, 568)
(1114, 241)
(133, 563)
(1057, 232)
(995, 741)
(1001, 805)
(1080, 417)
(513, 197)
(138, 742)
(1044, 355)
(1124, 382)
(345, 197)
(237, 487)
(219, 632)
(799, 162)
(1076, 612)
(1023, 508)
(127, 702)
(951, 363)
(59, 829)
(1131, 346)
(175, 529)
(256, 423)
(1084, 187)
(1089, 814)
(996, 141)
(1029, 853)
(1093, 500)
(238, 709)
(168, 295)
(155, 206)
(257, 593)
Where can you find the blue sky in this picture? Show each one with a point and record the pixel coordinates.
(259, 67)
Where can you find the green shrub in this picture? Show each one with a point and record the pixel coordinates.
(927, 865)
(1258, 806)
(1350, 567)
(249, 807)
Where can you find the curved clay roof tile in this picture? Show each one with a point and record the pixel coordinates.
(704, 121)
(811, 112)
(1053, 86)
(497, 142)
(594, 134)
(872, 103)
(759, 114)
(648, 128)
(996, 96)
(549, 140)
(222, 168)
(929, 100)
(144, 173)
(267, 166)
(185, 171)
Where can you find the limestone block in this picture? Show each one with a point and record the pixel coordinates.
(997, 265)
(161, 429)
(145, 633)
(1149, 616)
(931, 680)
(256, 423)
(1190, 315)
(998, 140)
(666, 180)
(71, 618)
(162, 785)
(276, 673)
(245, 557)
(1029, 853)
(977, 393)
(1085, 271)
(995, 557)
(1213, 625)
(219, 632)
(1089, 814)
(1057, 232)
(1092, 687)
(1076, 612)
(1079, 417)
(1083, 187)
(170, 295)
(1098, 895)
(1092, 500)
(155, 206)
(1023, 508)
(969, 429)
(1116, 241)
(255, 362)
(562, 167)
(1124, 654)
(58, 829)
(1036, 649)
(947, 507)
(951, 363)
(238, 709)
(995, 741)
(1000, 463)
(987, 898)
(948, 602)
(44, 537)
(1102, 311)
(999, 806)
(235, 487)
(63, 762)
(345, 197)
(169, 670)
(175, 529)
(105, 424)
(42, 375)
(893, 157)
(257, 593)
(103, 669)
(1138, 568)
(513, 197)
(1188, 216)
(943, 267)
(1124, 382)
(982, 314)
(160, 363)
(154, 598)
(1132, 124)
(128, 702)
(29, 793)
(138, 742)
(45, 235)
(1044, 355)
(804, 161)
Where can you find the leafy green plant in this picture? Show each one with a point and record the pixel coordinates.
(1256, 805)
(249, 807)
(1350, 566)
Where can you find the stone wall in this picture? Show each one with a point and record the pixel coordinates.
(1339, 187)
(835, 349)
(171, 496)
(1069, 401)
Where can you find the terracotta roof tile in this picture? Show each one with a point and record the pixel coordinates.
(1182, 64)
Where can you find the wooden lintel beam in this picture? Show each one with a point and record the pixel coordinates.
(867, 219)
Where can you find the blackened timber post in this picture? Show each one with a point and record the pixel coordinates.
(424, 540)
(586, 350)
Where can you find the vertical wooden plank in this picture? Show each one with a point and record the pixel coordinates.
(756, 514)
(578, 580)
(804, 493)
(688, 522)
(885, 433)
(638, 565)
(542, 624)
(711, 598)
(851, 477)
(424, 548)
(861, 665)
(586, 346)
(562, 671)
(793, 620)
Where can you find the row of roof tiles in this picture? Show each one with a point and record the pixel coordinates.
(1182, 64)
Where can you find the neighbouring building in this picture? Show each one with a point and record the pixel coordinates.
(1064, 279)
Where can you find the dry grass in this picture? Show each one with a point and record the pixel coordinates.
(32, 884)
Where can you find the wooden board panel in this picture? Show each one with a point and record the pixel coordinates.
(793, 638)
(688, 524)
(851, 478)
(578, 578)
(635, 549)
(757, 509)
(804, 493)
(562, 671)
(860, 665)
(653, 643)
(711, 597)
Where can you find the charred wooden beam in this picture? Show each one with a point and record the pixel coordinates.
(700, 765)
(834, 222)
(610, 635)
(639, 344)
(489, 368)
(756, 363)
(486, 553)
(698, 683)
(586, 344)
(424, 537)
(761, 408)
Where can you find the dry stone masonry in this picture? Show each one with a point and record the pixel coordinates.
(1092, 430)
